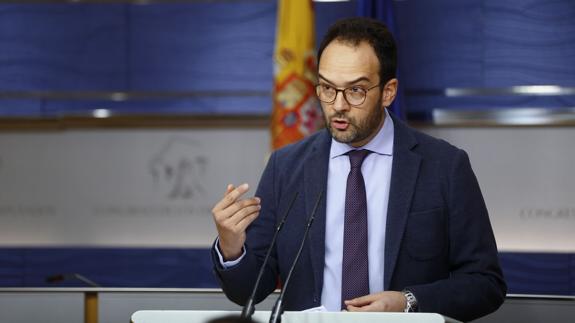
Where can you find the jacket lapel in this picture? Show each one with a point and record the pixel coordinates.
(404, 172)
(405, 169)
(315, 182)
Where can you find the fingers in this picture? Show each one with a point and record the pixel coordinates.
(237, 211)
(389, 301)
(361, 301)
(231, 196)
(241, 218)
(252, 214)
(233, 214)
(371, 307)
(358, 304)
(351, 308)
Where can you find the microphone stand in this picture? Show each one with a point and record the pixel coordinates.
(277, 310)
(249, 308)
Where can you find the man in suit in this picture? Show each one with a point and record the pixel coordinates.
(413, 235)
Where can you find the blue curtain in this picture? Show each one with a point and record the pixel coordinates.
(383, 10)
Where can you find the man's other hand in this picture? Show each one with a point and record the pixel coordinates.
(388, 301)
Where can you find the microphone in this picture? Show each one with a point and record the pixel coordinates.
(277, 310)
(249, 308)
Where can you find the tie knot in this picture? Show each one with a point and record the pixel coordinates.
(356, 157)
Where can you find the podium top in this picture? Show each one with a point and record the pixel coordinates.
(291, 317)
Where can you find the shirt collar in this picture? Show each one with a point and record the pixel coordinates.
(381, 144)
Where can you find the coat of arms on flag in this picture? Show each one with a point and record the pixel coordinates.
(296, 112)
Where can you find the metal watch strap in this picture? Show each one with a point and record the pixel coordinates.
(411, 305)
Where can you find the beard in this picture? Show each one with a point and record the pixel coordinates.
(358, 129)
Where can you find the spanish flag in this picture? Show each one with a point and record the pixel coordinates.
(296, 111)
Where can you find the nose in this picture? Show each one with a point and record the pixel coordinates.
(340, 103)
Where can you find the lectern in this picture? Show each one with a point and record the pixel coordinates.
(291, 317)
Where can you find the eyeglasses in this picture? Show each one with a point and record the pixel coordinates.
(354, 95)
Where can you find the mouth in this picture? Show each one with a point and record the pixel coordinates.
(339, 124)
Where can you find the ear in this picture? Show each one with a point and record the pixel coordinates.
(389, 92)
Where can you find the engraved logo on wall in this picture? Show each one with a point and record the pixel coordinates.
(179, 168)
(176, 171)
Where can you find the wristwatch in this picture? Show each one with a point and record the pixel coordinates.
(411, 302)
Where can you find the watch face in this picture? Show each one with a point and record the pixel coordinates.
(411, 302)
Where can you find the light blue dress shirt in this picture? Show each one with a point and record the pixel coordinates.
(377, 176)
(376, 170)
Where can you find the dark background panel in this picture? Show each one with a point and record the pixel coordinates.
(202, 105)
(525, 273)
(539, 273)
(21, 108)
(62, 47)
(226, 47)
(484, 44)
(12, 268)
(201, 46)
(440, 43)
(529, 42)
(108, 267)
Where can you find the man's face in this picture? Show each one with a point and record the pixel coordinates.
(343, 65)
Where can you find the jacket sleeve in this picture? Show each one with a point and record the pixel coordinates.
(475, 286)
(238, 281)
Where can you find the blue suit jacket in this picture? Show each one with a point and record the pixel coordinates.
(439, 241)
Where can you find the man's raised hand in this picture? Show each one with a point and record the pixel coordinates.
(232, 216)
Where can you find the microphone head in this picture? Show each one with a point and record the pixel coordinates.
(55, 278)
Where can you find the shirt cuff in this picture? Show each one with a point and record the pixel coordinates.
(230, 263)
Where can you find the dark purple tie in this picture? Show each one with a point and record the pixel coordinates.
(355, 267)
